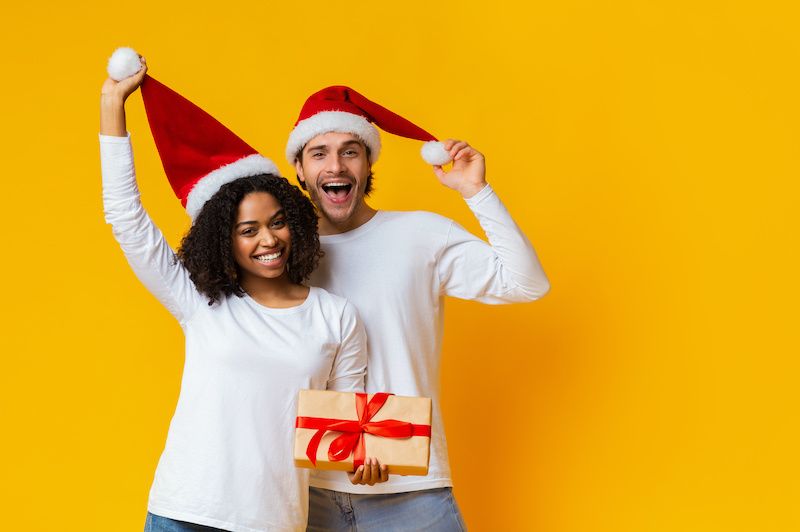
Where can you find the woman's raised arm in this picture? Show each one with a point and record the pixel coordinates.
(112, 102)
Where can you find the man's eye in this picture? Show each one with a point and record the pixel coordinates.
(317, 155)
(351, 153)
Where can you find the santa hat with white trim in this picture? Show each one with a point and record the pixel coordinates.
(199, 154)
(344, 110)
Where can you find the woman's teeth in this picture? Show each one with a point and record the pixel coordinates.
(270, 257)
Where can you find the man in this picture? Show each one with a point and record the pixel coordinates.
(396, 267)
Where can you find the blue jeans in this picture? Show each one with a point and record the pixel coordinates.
(433, 510)
(156, 523)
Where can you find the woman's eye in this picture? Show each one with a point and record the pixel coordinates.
(248, 232)
(278, 223)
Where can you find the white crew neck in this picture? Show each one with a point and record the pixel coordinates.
(312, 294)
(362, 229)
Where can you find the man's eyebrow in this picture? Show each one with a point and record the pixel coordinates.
(346, 144)
(318, 147)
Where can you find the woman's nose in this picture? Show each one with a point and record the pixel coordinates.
(268, 239)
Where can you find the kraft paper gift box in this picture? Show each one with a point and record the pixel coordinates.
(340, 429)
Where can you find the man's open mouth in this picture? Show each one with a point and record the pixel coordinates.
(337, 191)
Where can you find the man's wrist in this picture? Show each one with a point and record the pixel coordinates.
(467, 191)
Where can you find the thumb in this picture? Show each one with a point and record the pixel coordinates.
(440, 173)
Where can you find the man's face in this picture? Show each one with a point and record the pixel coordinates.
(335, 167)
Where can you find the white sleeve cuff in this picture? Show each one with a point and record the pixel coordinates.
(113, 139)
(484, 193)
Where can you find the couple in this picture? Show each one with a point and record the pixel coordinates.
(256, 334)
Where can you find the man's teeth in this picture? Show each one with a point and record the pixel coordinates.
(336, 187)
(271, 256)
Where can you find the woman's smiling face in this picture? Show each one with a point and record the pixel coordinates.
(261, 237)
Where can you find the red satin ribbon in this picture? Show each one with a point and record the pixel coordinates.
(352, 438)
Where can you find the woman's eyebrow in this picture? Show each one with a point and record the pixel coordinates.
(280, 212)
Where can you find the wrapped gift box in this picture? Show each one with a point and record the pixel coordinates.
(340, 429)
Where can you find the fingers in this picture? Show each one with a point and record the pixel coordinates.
(370, 473)
(453, 145)
(140, 75)
(128, 86)
(465, 153)
(356, 478)
(456, 148)
(459, 149)
(376, 471)
(379, 472)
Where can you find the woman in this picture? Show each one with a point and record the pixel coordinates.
(255, 335)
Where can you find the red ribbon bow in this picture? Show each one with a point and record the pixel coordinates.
(352, 438)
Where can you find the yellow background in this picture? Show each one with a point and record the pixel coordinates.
(648, 148)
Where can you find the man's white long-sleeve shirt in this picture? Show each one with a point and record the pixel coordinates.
(396, 269)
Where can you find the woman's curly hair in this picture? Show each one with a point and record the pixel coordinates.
(207, 249)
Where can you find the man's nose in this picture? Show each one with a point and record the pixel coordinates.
(334, 165)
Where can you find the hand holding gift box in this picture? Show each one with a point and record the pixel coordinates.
(338, 430)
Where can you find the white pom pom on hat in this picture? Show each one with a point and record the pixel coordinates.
(123, 63)
(434, 153)
(344, 110)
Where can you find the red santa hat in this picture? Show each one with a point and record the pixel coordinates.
(344, 110)
(199, 154)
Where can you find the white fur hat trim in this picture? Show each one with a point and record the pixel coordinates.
(327, 121)
(210, 184)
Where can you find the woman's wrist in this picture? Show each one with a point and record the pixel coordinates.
(111, 101)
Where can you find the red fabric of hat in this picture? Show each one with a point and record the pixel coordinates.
(199, 154)
(341, 98)
(192, 144)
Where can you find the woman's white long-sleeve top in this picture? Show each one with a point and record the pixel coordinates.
(227, 462)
